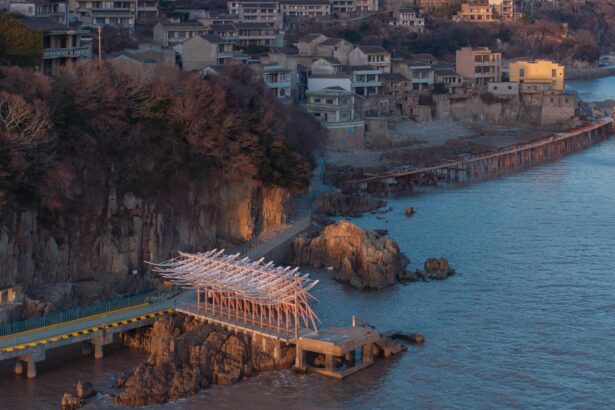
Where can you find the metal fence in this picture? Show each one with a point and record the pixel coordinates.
(85, 311)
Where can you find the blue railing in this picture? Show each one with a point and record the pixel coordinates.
(85, 311)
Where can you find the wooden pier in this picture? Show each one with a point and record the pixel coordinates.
(491, 163)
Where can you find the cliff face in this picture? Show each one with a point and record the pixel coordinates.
(99, 249)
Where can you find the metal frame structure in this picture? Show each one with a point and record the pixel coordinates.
(256, 294)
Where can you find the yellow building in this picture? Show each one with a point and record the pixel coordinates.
(538, 71)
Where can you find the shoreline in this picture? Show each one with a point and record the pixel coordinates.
(404, 178)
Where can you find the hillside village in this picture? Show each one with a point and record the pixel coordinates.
(359, 92)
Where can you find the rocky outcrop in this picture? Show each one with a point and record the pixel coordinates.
(100, 250)
(83, 391)
(434, 269)
(186, 355)
(364, 259)
(339, 204)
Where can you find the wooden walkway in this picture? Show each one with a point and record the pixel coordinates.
(464, 165)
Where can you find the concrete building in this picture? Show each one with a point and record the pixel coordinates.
(58, 10)
(365, 80)
(278, 79)
(410, 19)
(480, 65)
(395, 84)
(366, 5)
(420, 72)
(538, 71)
(249, 34)
(320, 82)
(557, 108)
(61, 45)
(170, 34)
(117, 12)
(305, 9)
(307, 44)
(326, 66)
(450, 78)
(335, 47)
(504, 88)
(334, 107)
(204, 50)
(342, 7)
(375, 56)
(503, 8)
(257, 11)
(476, 12)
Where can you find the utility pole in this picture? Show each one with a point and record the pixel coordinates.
(99, 43)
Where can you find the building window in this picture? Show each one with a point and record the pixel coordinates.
(553, 73)
(522, 72)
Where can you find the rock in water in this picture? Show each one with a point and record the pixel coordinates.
(70, 402)
(186, 355)
(85, 390)
(362, 258)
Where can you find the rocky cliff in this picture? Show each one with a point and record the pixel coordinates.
(186, 356)
(103, 251)
(364, 259)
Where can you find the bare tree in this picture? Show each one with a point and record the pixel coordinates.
(22, 124)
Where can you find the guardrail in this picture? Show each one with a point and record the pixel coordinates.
(85, 311)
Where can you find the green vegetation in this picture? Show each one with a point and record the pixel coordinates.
(18, 44)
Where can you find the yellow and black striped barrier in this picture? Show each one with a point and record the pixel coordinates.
(85, 331)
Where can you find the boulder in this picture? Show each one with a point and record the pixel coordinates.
(85, 390)
(70, 402)
(434, 269)
(362, 258)
(186, 355)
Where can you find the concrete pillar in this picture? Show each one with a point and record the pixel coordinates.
(98, 351)
(18, 367)
(86, 348)
(350, 358)
(300, 358)
(367, 353)
(329, 362)
(31, 373)
(276, 350)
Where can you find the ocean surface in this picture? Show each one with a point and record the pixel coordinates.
(598, 89)
(528, 321)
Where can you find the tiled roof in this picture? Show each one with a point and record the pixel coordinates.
(373, 49)
(309, 37)
(42, 23)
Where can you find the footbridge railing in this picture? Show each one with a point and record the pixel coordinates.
(85, 311)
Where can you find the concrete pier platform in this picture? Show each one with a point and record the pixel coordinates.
(342, 344)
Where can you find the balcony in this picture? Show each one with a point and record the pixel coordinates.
(75, 52)
(279, 84)
(357, 84)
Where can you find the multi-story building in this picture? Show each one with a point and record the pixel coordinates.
(480, 65)
(538, 72)
(365, 80)
(326, 66)
(343, 6)
(116, 12)
(58, 10)
(61, 45)
(450, 78)
(170, 34)
(409, 19)
(305, 9)
(277, 78)
(257, 11)
(249, 34)
(503, 8)
(366, 5)
(334, 107)
(204, 50)
(476, 12)
(375, 56)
